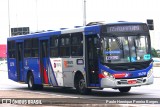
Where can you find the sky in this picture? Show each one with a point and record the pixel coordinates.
(54, 14)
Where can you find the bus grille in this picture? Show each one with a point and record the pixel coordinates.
(125, 82)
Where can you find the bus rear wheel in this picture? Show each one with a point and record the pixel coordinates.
(31, 84)
(124, 89)
(81, 86)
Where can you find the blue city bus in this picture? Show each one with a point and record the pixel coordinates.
(111, 55)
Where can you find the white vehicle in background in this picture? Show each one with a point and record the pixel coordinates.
(156, 62)
(3, 65)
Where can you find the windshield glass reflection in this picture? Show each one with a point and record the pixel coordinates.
(123, 49)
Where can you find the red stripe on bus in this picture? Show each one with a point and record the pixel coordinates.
(45, 76)
(122, 75)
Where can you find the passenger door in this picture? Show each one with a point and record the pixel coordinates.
(19, 61)
(92, 60)
(44, 55)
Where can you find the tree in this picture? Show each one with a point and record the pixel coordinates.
(154, 53)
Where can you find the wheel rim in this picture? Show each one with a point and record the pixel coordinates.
(81, 84)
(30, 81)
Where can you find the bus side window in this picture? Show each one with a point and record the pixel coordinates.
(27, 48)
(65, 45)
(54, 46)
(35, 47)
(77, 44)
(11, 49)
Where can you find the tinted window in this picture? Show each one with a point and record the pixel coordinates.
(35, 47)
(31, 47)
(65, 45)
(54, 46)
(11, 49)
(77, 44)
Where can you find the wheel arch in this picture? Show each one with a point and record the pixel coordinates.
(77, 75)
(34, 85)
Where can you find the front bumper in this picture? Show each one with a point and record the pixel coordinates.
(117, 83)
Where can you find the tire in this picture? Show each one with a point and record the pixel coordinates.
(124, 89)
(31, 84)
(81, 86)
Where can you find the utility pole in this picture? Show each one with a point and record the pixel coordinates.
(37, 15)
(9, 26)
(84, 13)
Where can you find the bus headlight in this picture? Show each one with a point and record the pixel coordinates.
(149, 72)
(107, 74)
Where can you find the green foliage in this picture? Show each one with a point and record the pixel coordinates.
(154, 53)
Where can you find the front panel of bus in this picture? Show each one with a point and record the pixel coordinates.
(125, 56)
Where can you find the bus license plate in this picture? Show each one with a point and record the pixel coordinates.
(132, 81)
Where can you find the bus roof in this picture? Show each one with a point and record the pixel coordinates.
(34, 35)
(88, 30)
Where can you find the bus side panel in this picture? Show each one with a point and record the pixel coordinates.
(62, 70)
(51, 74)
(70, 67)
(67, 64)
(12, 74)
(32, 64)
(55, 72)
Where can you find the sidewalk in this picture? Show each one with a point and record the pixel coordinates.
(3, 67)
(156, 72)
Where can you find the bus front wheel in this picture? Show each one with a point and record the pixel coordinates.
(124, 89)
(81, 86)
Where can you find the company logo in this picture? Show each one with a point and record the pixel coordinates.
(68, 64)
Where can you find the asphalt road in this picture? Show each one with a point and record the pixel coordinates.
(15, 91)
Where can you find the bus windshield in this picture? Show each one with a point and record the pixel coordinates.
(124, 49)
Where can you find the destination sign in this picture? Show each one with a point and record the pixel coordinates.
(125, 28)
